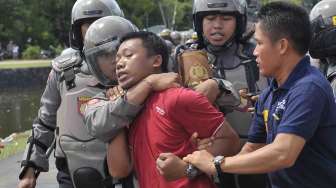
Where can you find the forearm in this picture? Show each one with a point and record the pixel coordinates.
(118, 158)
(154, 82)
(139, 93)
(208, 88)
(35, 154)
(263, 160)
(250, 147)
(104, 121)
(226, 141)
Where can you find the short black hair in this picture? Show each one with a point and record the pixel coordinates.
(283, 19)
(154, 44)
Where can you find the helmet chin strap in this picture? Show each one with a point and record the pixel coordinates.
(213, 49)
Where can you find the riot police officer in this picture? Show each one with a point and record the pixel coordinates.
(220, 25)
(176, 37)
(323, 44)
(165, 34)
(80, 157)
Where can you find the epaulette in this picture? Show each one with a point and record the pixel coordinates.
(187, 46)
(68, 65)
(66, 61)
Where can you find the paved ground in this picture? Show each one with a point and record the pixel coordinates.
(9, 169)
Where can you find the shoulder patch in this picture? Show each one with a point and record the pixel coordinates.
(81, 104)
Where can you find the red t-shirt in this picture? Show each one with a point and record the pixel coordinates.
(166, 125)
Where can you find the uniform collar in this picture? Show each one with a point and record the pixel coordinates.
(296, 74)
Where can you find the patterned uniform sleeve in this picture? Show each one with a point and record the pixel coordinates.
(105, 118)
(43, 126)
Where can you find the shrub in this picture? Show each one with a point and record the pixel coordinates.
(31, 52)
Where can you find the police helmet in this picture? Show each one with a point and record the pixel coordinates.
(194, 36)
(202, 8)
(101, 40)
(176, 37)
(165, 34)
(323, 22)
(86, 11)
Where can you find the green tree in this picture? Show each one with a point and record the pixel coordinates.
(146, 13)
(45, 22)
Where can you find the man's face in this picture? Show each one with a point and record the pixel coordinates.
(84, 27)
(267, 53)
(217, 29)
(133, 63)
(107, 65)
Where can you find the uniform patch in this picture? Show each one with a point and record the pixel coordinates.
(334, 20)
(81, 104)
(281, 105)
(280, 108)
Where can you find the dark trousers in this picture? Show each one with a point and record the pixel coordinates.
(64, 179)
(63, 175)
(244, 181)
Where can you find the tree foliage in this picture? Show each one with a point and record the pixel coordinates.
(44, 22)
(146, 13)
(47, 22)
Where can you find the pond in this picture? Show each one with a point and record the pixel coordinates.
(18, 108)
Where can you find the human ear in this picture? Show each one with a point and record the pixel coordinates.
(157, 61)
(283, 46)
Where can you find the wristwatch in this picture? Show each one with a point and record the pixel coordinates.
(218, 160)
(191, 171)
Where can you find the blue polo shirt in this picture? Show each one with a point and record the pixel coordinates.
(305, 106)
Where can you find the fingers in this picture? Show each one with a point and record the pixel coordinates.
(164, 156)
(204, 143)
(179, 79)
(193, 138)
(188, 158)
(115, 92)
(255, 98)
(243, 93)
(159, 169)
(250, 109)
(159, 163)
(176, 84)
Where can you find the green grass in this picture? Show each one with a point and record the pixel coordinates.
(21, 64)
(17, 145)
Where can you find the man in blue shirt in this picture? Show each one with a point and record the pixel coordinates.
(293, 134)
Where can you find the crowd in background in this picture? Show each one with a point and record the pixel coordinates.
(12, 51)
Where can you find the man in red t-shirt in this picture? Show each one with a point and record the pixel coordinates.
(169, 117)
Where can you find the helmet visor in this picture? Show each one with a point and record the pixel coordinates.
(101, 62)
(319, 23)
